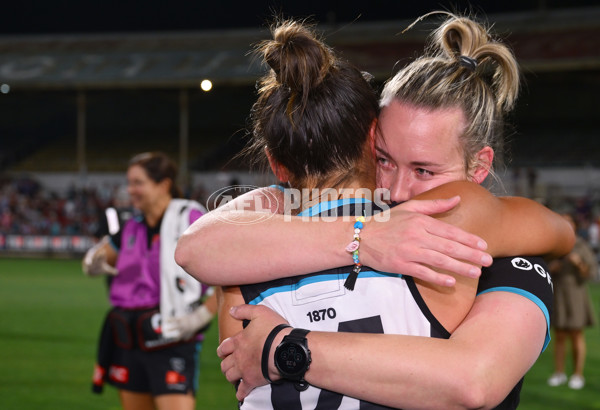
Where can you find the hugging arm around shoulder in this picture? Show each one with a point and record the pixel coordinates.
(510, 225)
(412, 240)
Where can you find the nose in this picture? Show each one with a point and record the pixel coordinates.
(400, 189)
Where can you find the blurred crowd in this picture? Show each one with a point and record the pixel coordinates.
(28, 208)
(587, 221)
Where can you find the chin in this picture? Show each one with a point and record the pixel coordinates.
(137, 204)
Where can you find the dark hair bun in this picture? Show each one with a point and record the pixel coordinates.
(299, 60)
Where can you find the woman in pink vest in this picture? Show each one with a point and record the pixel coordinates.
(151, 339)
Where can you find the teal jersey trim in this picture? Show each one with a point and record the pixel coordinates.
(326, 206)
(531, 297)
(316, 279)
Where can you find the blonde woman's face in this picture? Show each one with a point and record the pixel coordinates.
(418, 149)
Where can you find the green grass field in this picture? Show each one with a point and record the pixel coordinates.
(48, 331)
(52, 315)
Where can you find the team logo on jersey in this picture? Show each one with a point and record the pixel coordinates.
(522, 264)
(542, 272)
(264, 205)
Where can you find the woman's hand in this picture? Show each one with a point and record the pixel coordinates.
(241, 354)
(409, 241)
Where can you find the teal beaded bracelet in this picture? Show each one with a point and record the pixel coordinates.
(352, 248)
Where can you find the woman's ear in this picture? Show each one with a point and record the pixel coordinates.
(165, 185)
(280, 171)
(483, 164)
(372, 136)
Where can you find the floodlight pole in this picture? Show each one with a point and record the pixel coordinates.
(81, 162)
(184, 120)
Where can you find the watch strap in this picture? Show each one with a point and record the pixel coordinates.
(264, 363)
(297, 333)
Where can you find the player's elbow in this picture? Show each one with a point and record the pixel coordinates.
(478, 390)
(182, 252)
(565, 240)
(187, 255)
(470, 396)
(568, 241)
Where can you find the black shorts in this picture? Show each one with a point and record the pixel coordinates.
(132, 355)
(172, 370)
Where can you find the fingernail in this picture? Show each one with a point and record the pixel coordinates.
(482, 245)
(232, 310)
(450, 282)
(486, 260)
(474, 272)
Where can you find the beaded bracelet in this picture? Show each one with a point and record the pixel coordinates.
(352, 247)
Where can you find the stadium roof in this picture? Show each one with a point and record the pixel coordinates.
(542, 40)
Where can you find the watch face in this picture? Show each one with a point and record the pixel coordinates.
(291, 358)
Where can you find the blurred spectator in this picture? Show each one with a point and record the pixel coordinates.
(572, 309)
(27, 208)
(594, 235)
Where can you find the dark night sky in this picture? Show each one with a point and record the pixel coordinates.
(91, 16)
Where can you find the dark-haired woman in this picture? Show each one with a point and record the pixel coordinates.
(315, 119)
(150, 343)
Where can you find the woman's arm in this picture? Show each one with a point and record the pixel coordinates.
(228, 297)
(217, 247)
(502, 331)
(510, 226)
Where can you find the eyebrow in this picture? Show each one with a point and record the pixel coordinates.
(384, 153)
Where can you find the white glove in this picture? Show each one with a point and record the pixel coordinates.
(186, 326)
(94, 263)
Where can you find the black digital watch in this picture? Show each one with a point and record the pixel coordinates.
(292, 358)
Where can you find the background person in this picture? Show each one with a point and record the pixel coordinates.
(149, 347)
(573, 310)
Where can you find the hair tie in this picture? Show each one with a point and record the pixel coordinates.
(468, 62)
(367, 76)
